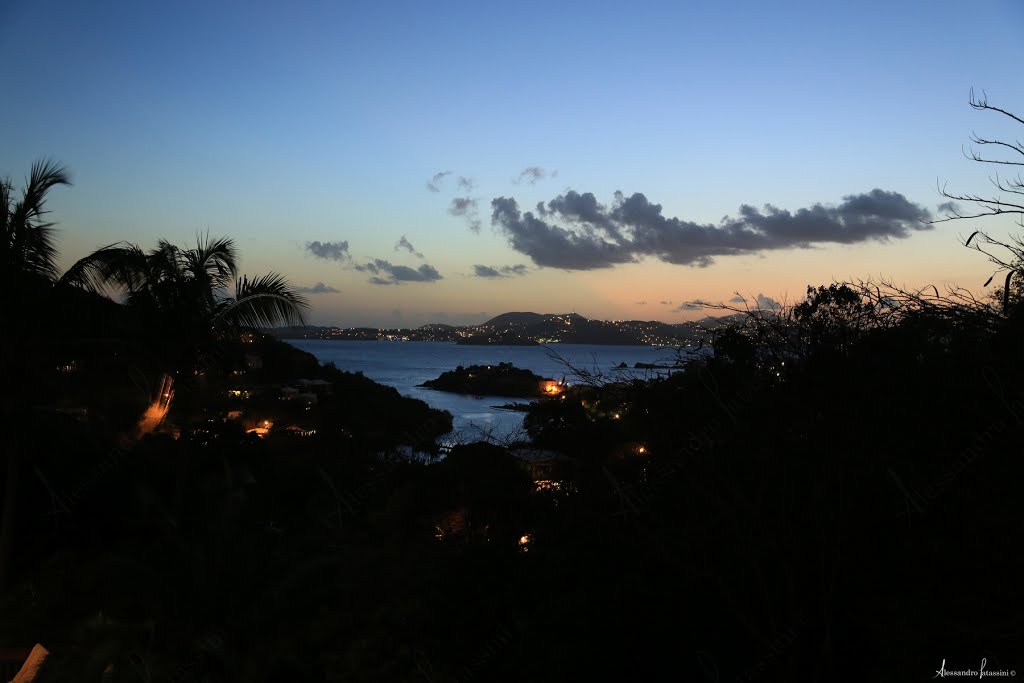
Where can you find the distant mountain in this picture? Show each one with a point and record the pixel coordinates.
(514, 319)
(299, 331)
(524, 328)
(572, 328)
(713, 322)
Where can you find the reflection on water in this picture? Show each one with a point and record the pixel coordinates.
(404, 365)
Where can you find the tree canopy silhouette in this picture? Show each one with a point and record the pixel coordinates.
(27, 249)
(188, 299)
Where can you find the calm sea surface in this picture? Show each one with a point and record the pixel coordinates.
(403, 365)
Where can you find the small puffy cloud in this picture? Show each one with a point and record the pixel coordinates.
(949, 208)
(331, 251)
(462, 206)
(690, 306)
(501, 271)
(434, 184)
(485, 271)
(640, 303)
(465, 184)
(665, 302)
(318, 288)
(407, 245)
(386, 273)
(531, 174)
(737, 299)
(764, 301)
(466, 207)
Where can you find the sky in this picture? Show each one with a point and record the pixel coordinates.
(406, 163)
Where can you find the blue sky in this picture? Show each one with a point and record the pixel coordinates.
(290, 123)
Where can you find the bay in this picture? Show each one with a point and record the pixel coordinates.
(404, 365)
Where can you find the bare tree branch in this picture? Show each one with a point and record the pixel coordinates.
(986, 207)
(982, 104)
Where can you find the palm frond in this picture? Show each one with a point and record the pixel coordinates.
(6, 190)
(45, 174)
(214, 261)
(28, 242)
(266, 301)
(119, 266)
(165, 262)
(8, 237)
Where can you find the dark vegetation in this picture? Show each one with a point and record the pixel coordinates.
(832, 496)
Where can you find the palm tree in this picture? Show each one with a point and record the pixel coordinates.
(28, 266)
(27, 249)
(184, 297)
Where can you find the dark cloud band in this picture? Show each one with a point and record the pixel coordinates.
(575, 232)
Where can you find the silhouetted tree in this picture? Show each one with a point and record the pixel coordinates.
(28, 265)
(184, 297)
(1007, 256)
(27, 249)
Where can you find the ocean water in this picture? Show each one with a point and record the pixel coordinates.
(403, 365)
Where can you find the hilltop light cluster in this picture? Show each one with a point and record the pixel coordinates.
(522, 329)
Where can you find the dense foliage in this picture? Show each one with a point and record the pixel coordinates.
(742, 518)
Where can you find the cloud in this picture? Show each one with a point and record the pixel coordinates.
(583, 210)
(407, 245)
(468, 208)
(640, 303)
(485, 271)
(549, 245)
(501, 271)
(690, 306)
(576, 232)
(318, 288)
(531, 174)
(434, 184)
(465, 184)
(665, 303)
(949, 208)
(462, 206)
(331, 251)
(386, 273)
(762, 301)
